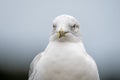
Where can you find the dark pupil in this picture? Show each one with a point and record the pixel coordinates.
(54, 26)
(74, 26)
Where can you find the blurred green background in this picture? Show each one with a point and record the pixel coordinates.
(25, 27)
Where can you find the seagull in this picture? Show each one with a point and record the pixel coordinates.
(65, 57)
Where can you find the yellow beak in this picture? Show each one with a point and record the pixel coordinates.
(61, 33)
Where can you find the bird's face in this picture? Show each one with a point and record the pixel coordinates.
(65, 27)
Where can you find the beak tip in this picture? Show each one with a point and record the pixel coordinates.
(61, 33)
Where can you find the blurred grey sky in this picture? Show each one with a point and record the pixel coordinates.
(25, 27)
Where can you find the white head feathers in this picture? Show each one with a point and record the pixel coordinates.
(65, 28)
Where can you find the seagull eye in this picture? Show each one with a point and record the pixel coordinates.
(74, 26)
(54, 26)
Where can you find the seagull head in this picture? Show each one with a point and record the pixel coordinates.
(65, 28)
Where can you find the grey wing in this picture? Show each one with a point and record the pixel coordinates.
(33, 63)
